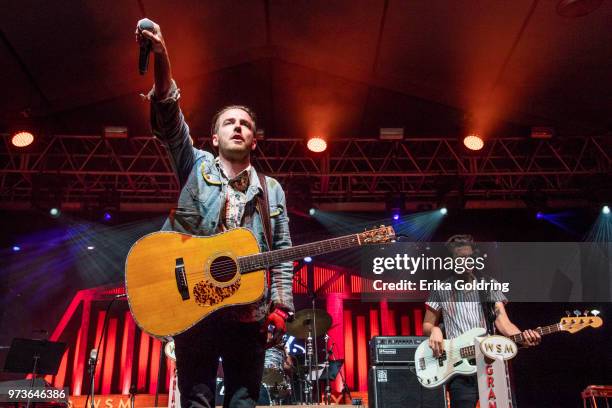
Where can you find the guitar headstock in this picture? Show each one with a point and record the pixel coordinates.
(378, 235)
(573, 324)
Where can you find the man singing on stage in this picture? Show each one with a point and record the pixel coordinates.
(462, 311)
(218, 194)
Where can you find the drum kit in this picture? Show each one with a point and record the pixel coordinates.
(292, 378)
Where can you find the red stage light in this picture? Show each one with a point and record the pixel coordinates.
(473, 142)
(316, 144)
(22, 139)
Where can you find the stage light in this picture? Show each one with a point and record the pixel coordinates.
(107, 216)
(542, 132)
(312, 212)
(308, 259)
(91, 248)
(115, 132)
(443, 211)
(395, 217)
(22, 139)
(605, 210)
(539, 215)
(473, 142)
(16, 248)
(316, 144)
(54, 212)
(391, 134)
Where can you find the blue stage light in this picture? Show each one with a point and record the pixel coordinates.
(605, 210)
(395, 217)
(443, 211)
(16, 248)
(312, 211)
(54, 212)
(308, 259)
(107, 216)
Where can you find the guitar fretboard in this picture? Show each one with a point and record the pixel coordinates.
(265, 260)
(470, 351)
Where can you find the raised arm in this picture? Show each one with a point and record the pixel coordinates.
(167, 121)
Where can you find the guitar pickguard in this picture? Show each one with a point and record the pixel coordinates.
(207, 294)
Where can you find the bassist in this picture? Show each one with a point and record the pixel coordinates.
(462, 311)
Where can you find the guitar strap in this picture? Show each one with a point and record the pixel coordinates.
(263, 207)
(488, 309)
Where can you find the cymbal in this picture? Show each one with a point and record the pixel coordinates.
(304, 322)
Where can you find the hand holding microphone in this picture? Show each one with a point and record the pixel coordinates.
(149, 37)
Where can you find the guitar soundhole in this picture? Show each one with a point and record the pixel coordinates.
(223, 269)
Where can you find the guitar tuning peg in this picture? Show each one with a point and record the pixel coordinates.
(595, 312)
(585, 313)
(567, 312)
(576, 312)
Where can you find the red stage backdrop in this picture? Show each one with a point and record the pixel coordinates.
(129, 356)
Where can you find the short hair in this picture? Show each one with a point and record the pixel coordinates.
(215, 126)
(460, 240)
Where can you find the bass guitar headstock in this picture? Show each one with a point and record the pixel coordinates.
(579, 321)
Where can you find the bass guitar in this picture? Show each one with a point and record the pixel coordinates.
(458, 357)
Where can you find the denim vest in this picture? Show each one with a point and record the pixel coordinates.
(203, 191)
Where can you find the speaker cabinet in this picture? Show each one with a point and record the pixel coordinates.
(398, 387)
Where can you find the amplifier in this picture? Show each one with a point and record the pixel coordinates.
(398, 386)
(394, 349)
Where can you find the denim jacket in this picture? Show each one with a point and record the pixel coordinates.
(203, 189)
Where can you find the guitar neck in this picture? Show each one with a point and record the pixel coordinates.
(470, 351)
(542, 331)
(268, 259)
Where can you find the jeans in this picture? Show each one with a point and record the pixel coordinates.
(242, 347)
(463, 391)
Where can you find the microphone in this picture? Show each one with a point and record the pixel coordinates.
(145, 46)
(93, 357)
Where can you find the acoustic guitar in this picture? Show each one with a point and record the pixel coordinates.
(174, 280)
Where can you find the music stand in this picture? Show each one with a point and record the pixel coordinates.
(29, 356)
(333, 370)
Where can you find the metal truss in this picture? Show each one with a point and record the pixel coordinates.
(93, 170)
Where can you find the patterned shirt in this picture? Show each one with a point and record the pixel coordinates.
(232, 212)
(461, 309)
(233, 216)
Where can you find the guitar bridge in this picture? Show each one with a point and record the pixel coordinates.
(181, 278)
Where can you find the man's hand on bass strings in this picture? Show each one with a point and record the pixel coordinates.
(531, 338)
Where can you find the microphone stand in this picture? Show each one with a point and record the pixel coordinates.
(326, 370)
(132, 395)
(306, 390)
(316, 351)
(345, 387)
(93, 357)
